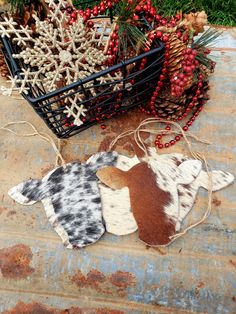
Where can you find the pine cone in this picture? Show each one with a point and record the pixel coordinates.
(176, 54)
(168, 106)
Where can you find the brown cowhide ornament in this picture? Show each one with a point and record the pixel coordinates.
(149, 200)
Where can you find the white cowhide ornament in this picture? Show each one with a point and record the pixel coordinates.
(116, 208)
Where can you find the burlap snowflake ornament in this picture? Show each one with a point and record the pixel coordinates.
(58, 54)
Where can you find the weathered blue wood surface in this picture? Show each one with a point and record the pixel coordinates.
(118, 274)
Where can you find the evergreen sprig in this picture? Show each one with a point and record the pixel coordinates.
(129, 30)
(207, 39)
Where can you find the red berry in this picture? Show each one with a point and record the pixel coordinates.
(165, 38)
(73, 15)
(162, 77)
(177, 16)
(90, 24)
(185, 128)
(102, 9)
(167, 46)
(163, 22)
(152, 36)
(114, 36)
(95, 11)
(158, 34)
(179, 34)
(164, 70)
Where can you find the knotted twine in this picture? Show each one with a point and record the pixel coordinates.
(139, 141)
(42, 135)
(196, 155)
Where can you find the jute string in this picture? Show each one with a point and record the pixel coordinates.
(196, 155)
(44, 136)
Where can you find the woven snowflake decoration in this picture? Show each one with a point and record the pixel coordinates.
(58, 54)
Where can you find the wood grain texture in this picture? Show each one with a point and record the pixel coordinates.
(194, 275)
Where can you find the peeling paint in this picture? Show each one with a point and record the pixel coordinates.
(122, 279)
(122, 123)
(233, 263)
(95, 277)
(115, 283)
(105, 144)
(37, 308)
(199, 287)
(15, 260)
(216, 201)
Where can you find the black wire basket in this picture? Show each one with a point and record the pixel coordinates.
(108, 100)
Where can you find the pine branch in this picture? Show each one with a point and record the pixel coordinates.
(129, 30)
(208, 38)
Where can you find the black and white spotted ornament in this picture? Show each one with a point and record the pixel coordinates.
(71, 199)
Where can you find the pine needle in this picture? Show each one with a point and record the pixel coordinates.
(208, 38)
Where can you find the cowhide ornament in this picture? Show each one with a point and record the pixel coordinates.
(153, 194)
(71, 199)
(116, 208)
(187, 193)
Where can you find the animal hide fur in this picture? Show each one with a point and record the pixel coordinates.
(71, 199)
(116, 203)
(78, 205)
